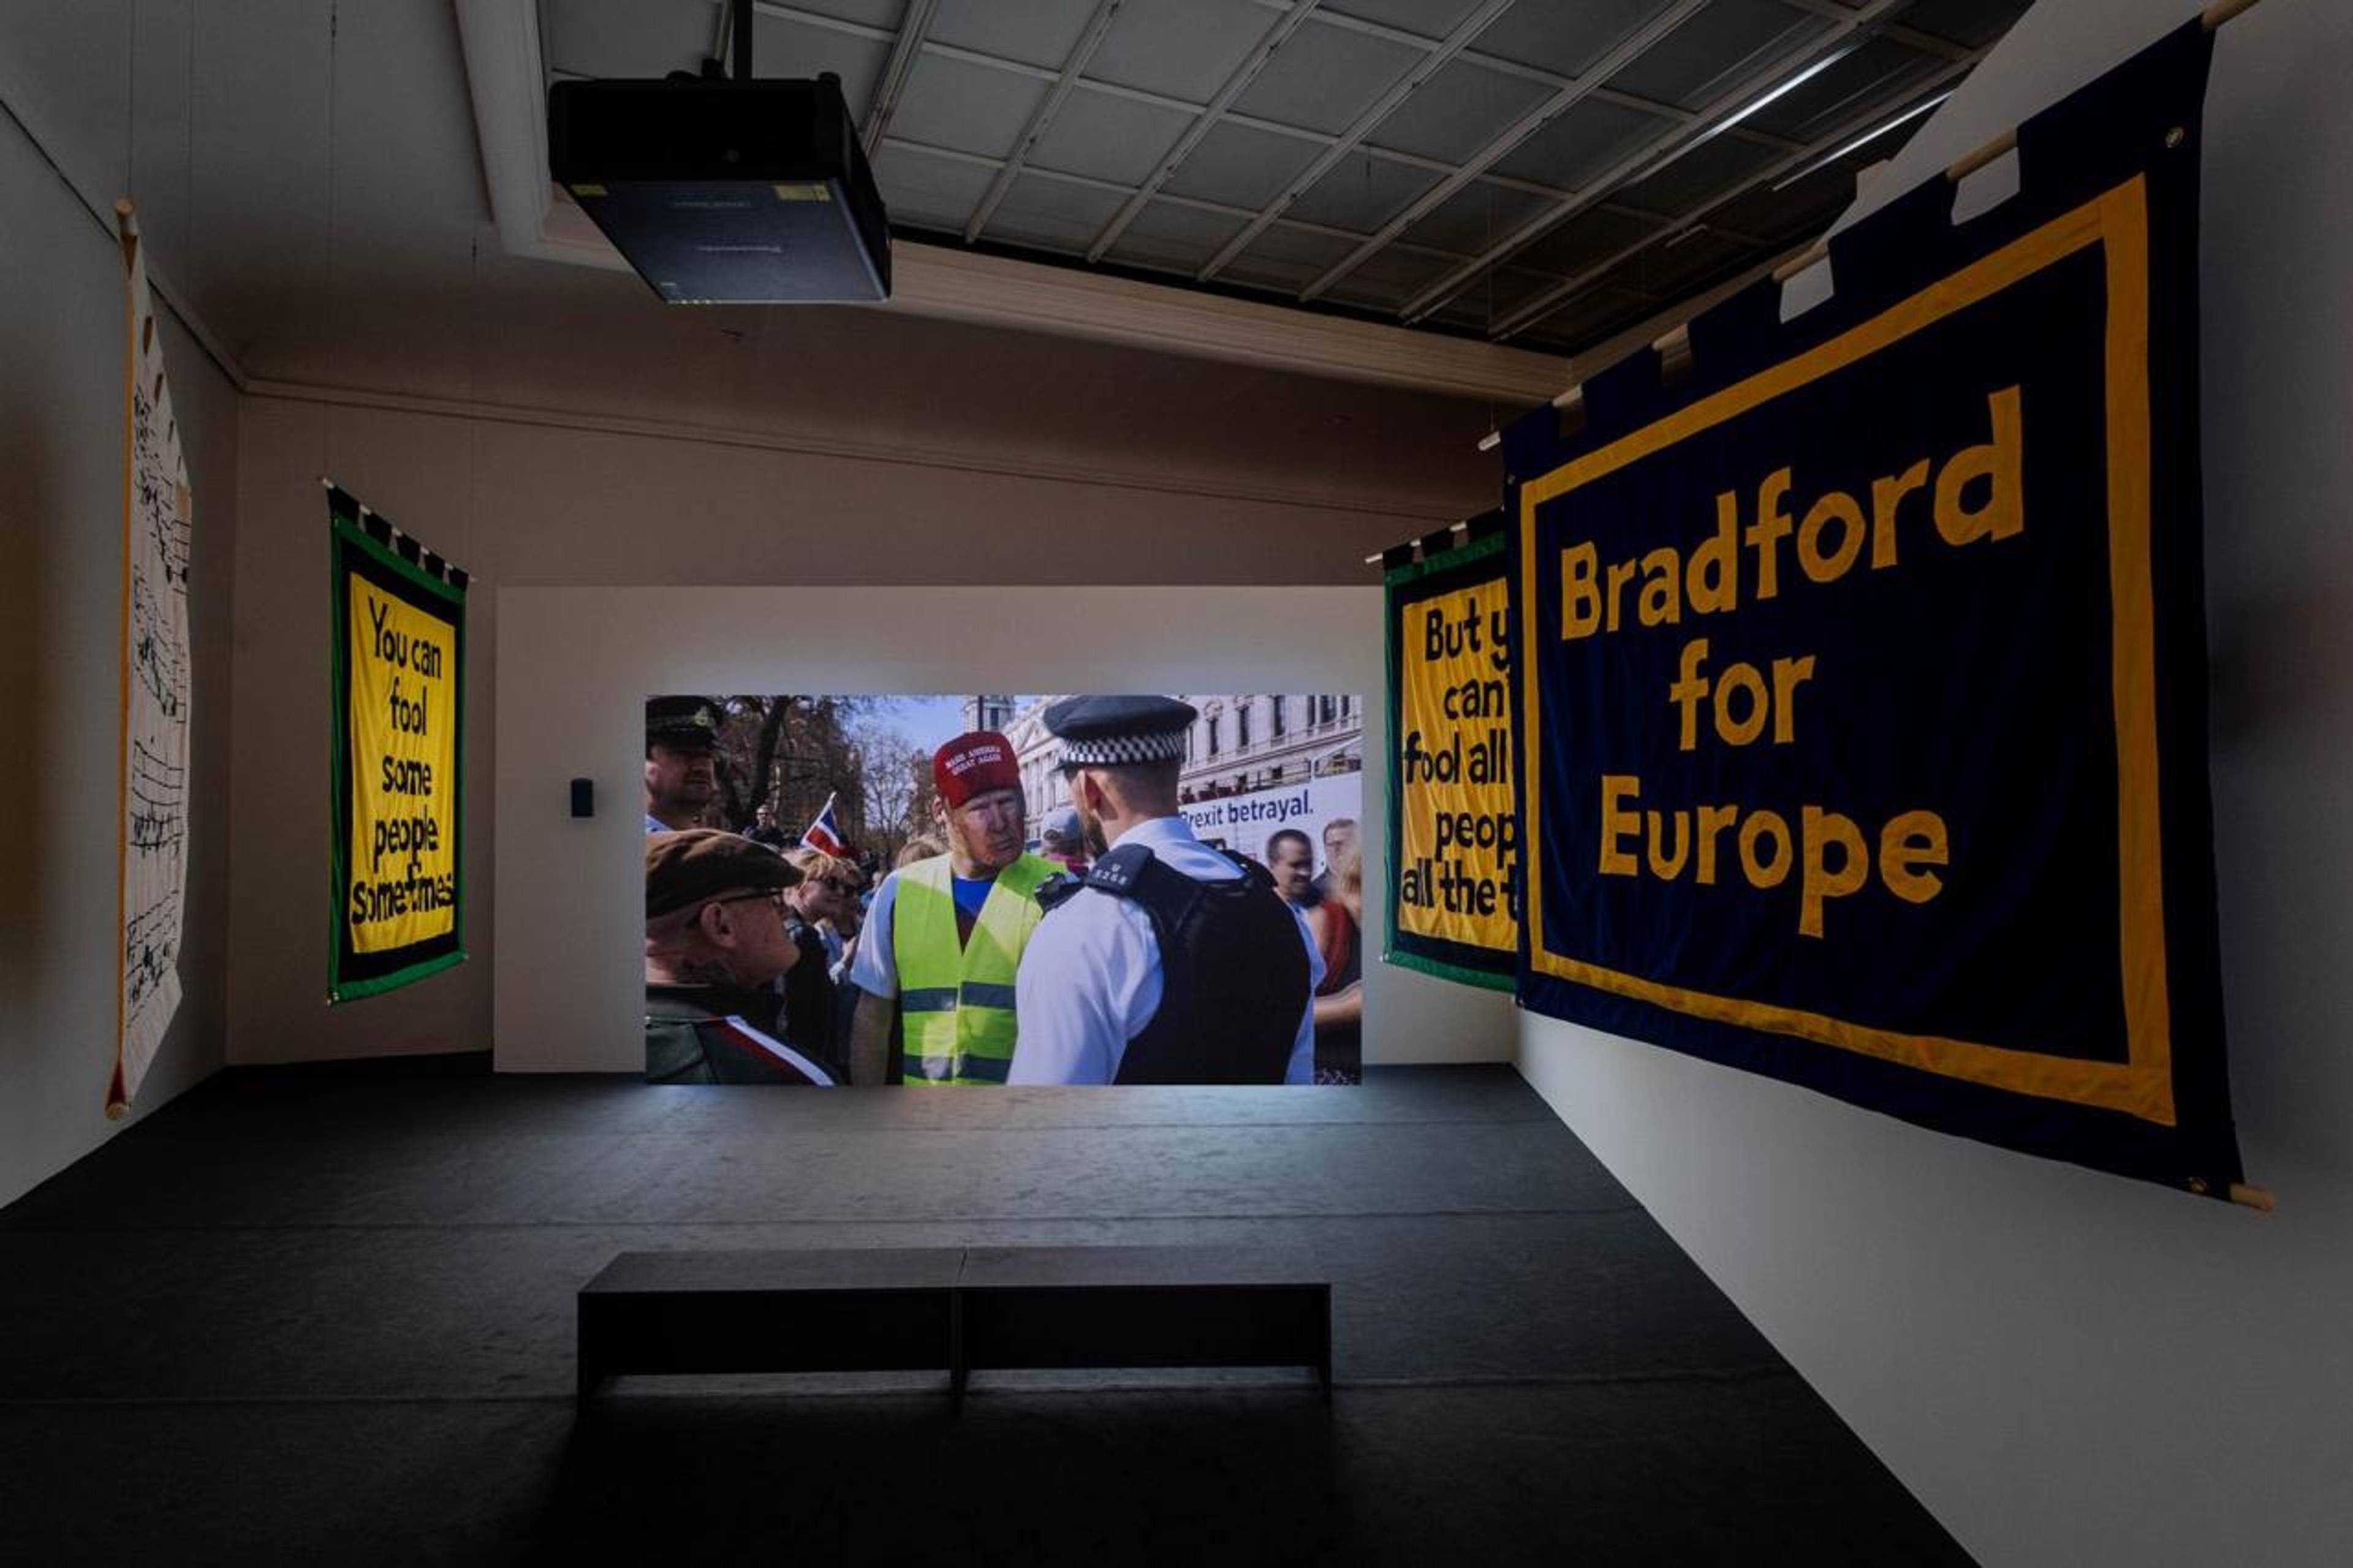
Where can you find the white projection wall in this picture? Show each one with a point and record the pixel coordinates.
(574, 666)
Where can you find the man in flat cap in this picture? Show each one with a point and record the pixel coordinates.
(715, 944)
(1172, 962)
(945, 936)
(680, 780)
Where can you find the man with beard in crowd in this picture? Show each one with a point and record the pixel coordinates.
(715, 945)
(1172, 962)
(1339, 838)
(682, 778)
(943, 939)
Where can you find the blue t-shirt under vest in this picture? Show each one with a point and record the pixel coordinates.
(971, 892)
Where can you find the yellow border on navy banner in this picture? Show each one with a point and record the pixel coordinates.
(2142, 1086)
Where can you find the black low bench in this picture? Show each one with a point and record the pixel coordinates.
(956, 1309)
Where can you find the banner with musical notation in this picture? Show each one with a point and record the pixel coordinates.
(400, 661)
(157, 514)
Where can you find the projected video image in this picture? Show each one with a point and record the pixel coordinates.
(971, 891)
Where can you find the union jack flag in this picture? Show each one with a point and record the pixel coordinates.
(824, 834)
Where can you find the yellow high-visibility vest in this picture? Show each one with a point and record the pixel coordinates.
(956, 999)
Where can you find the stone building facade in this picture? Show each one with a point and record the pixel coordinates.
(1238, 744)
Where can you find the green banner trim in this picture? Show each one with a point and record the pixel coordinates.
(1486, 979)
(1461, 555)
(1389, 769)
(353, 990)
(342, 533)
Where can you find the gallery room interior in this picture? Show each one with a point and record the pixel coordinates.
(1201, 313)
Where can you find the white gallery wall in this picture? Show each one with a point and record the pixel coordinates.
(61, 455)
(2066, 1367)
(528, 499)
(576, 666)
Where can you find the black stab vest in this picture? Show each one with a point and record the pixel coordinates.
(1233, 971)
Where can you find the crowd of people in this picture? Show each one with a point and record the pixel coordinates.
(1120, 950)
(1331, 902)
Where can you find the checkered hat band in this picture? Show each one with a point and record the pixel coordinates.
(1112, 751)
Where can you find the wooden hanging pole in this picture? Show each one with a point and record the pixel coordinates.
(2213, 18)
(126, 234)
(451, 570)
(126, 231)
(1962, 168)
(1450, 527)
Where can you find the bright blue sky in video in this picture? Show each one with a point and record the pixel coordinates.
(929, 721)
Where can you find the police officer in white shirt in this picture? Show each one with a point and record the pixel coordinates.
(1171, 962)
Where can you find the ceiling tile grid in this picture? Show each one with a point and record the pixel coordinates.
(1181, 48)
(967, 107)
(1175, 237)
(1360, 193)
(1324, 77)
(1241, 164)
(1470, 220)
(1539, 170)
(1055, 215)
(1459, 111)
(1565, 40)
(1725, 43)
(1107, 138)
(1040, 33)
(1286, 257)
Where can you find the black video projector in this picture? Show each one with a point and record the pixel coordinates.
(726, 192)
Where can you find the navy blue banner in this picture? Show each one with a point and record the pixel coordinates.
(1862, 718)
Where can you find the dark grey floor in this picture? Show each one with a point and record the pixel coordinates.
(316, 1315)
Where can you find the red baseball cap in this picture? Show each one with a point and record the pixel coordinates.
(973, 763)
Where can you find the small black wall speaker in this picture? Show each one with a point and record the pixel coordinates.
(584, 798)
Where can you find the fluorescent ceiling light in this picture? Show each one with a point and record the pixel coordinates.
(1827, 159)
(1795, 82)
(1685, 149)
